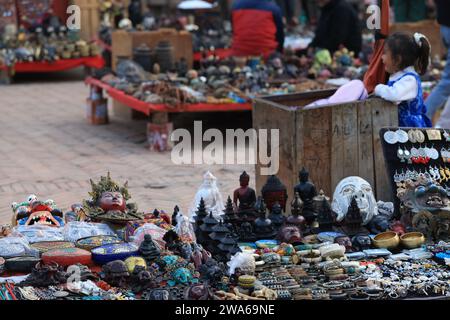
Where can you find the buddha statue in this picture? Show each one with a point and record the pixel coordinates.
(274, 191)
(109, 203)
(296, 210)
(244, 198)
(353, 220)
(276, 216)
(325, 215)
(307, 192)
(148, 250)
(211, 196)
(263, 226)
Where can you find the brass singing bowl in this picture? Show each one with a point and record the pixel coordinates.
(412, 240)
(386, 240)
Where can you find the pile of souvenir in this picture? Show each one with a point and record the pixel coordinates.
(245, 248)
(43, 45)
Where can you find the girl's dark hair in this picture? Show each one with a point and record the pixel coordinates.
(406, 52)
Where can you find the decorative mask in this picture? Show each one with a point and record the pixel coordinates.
(425, 195)
(344, 241)
(290, 234)
(361, 242)
(361, 190)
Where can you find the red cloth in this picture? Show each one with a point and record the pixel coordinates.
(60, 65)
(254, 33)
(376, 73)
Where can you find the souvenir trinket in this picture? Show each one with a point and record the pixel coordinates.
(111, 252)
(50, 245)
(67, 256)
(244, 199)
(296, 210)
(45, 275)
(386, 240)
(290, 234)
(133, 262)
(307, 191)
(115, 273)
(90, 243)
(109, 202)
(276, 215)
(353, 220)
(360, 189)
(412, 240)
(390, 137)
(148, 250)
(345, 242)
(433, 134)
(21, 264)
(211, 196)
(361, 242)
(274, 191)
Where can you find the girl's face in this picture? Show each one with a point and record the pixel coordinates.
(389, 64)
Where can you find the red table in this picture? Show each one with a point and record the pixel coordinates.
(220, 53)
(60, 65)
(148, 108)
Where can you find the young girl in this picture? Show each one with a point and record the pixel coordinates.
(404, 54)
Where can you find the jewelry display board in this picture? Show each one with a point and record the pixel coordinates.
(8, 13)
(413, 152)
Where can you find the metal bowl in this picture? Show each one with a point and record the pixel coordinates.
(386, 240)
(412, 240)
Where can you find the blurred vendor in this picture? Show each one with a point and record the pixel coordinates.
(338, 26)
(257, 28)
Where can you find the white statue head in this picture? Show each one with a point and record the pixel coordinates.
(360, 189)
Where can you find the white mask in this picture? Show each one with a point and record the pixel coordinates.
(360, 189)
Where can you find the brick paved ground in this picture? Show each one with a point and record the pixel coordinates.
(47, 148)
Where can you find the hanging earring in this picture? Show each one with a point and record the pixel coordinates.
(390, 137)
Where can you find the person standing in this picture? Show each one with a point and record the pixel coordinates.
(338, 25)
(257, 28)
(441, 92)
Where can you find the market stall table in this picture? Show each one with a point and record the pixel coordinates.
(148, 108)
(60, 65)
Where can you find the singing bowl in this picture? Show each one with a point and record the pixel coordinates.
(412, 240)
(386, 240)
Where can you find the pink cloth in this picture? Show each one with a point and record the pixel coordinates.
(352, 91)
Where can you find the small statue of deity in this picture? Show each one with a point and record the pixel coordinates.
(148, 250)
(277, 217)
(296, 210)
(109, 203)
(263, 226)
(274, 191)
(211, 196)
(244, 198)
(353, 220)
(307, 192)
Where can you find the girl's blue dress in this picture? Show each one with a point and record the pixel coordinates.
(412, 113)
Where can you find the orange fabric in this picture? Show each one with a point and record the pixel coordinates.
(376, 73)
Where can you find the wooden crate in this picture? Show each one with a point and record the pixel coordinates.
(90, 18)
(331, 141)
(124, 42)
(430, 28)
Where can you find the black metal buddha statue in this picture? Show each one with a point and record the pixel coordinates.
(277, 217)
(263, 226)
(244, 199)
(296, 210)
(307, 192)
(274, 191)
(352, 223)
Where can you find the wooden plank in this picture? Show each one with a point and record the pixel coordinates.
(350, 137)
(269, 116)
(366, 165)
(336, 147)
(317, 142)
(384, 114)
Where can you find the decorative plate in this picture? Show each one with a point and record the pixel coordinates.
(262, 244)
(67, 256)
(45, 246)
(21, 264)
(90, 243)
(12, 250)
(116, 251)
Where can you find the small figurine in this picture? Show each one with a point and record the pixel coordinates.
(176, 210)
(149, 250)
(353, 220)
(274, 191)
(210, 194)
(296, 210)
(325, 216)
(307, 192)
(344, 241)
(361, 242)
(244, 198)
(109, 202)
(290, 234)
(276, 216)
(263, 226)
